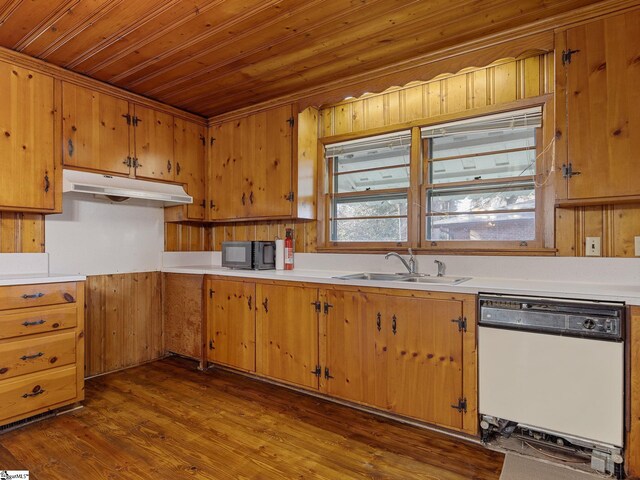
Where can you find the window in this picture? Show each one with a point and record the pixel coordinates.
(480, 183)
(369, 181)
(471, 184)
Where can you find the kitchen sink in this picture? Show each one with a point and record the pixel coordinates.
(405, 277)
(437, 280)
(375, 276)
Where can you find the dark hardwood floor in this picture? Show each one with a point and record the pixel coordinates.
(167, 420)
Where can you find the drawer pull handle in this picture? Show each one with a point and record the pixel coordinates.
(31, 357)
(33, 295)
(37, 390)
(31, 324)
(3, 370)
(69, 298)
(53, 360)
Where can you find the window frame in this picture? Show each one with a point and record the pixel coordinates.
(329, 186)
(481, 244)
(416, 195)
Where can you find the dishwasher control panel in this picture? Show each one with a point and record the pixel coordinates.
(604, 320)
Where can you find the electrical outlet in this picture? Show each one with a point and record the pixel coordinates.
(592, 247)
(637, 243)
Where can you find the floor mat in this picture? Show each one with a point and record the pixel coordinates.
(517, 467)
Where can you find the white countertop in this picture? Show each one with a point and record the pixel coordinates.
(578, 290)
(33, 278)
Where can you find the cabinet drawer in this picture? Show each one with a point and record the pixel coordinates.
(39, 390)
(34, 354)
(37, 320)
(19, 296)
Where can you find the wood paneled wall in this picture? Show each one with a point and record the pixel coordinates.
(504, 81)
(191, 238)
(123, 321)
(21, 232)
(616, 225)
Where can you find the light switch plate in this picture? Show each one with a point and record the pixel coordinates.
(592, 247)
(637, 243)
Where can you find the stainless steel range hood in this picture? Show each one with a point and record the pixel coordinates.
(121, 189)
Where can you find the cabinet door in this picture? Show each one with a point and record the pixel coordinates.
(154, 144)
(355, 347)
(424, 359)
(27, 139)
(287, 334)
(269, 172)
(225, 171)
(603, 131)
(189, 157)
(232, 324)
(95, 130)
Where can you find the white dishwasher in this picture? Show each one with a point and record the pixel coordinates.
(554, 366)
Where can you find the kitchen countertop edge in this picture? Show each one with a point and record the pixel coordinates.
(630, 294)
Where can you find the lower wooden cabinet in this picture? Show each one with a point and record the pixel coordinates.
(41, 348)
(232, 323)
(406, 352)
(287, 333)
(396, 352)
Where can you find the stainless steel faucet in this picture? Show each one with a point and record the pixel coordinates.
(441, 267)
(410, 265)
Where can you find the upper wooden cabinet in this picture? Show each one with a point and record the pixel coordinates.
(598, 73)
(153, 152)
(189, 154)
(264, 166)
(29, 180)
(107, 134)
(95, 130)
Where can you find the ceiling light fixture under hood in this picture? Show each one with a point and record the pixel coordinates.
(119, 187)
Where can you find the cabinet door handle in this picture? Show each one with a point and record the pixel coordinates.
(169, 166)
(31, 357)
(26, 323)
(251, 197)
(394, 324)
(47, 183)
(211, 204)
(27, 296)
(178, 168)
(379, 321)
(265, 304)
(35, 392)
(203, 203)
(243, 198)
(249, 302)
(70, 147)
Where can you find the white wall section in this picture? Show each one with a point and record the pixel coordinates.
(98, 237)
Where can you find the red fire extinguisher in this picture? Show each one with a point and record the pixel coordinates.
(288, 250)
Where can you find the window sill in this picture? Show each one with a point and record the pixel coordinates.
(521, 251)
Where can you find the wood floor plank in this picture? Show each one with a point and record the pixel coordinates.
(168, 420)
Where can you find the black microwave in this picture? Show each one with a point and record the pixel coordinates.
(255, 255)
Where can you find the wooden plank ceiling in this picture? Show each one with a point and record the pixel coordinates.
(214, 56)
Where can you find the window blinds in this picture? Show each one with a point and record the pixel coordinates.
(390, 140)
(528, 118)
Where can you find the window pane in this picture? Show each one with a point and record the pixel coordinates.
(500, 198)
(499, 165)
(371, 208)
(373, 180)
(488, 227)
(371, 230)
(372, 158)
(456, 145)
